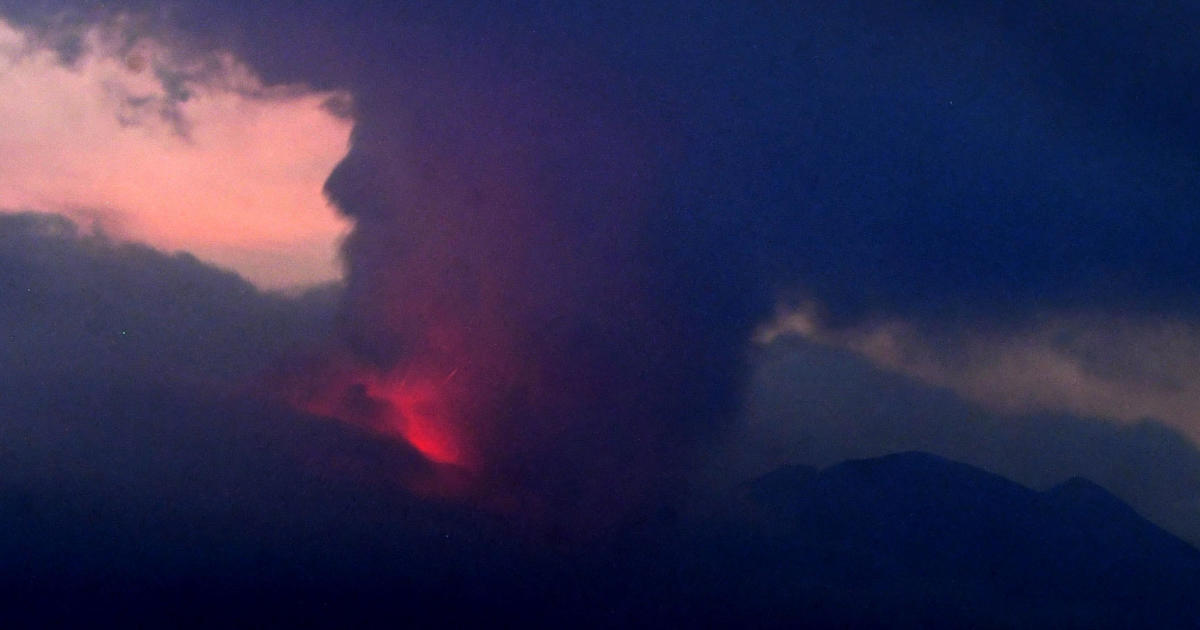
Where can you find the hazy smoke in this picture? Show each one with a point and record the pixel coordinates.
(513, 281)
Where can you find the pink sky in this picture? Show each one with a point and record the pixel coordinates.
(232, 174)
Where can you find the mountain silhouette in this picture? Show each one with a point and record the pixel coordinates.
(914, 540)
(247, 531)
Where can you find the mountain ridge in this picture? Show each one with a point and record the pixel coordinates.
(913, 539)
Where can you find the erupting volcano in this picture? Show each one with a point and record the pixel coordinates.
(428, 411)
(424, 419)
(512, 307)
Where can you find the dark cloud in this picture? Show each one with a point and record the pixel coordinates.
(79, 305)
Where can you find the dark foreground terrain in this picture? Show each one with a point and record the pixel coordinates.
(246, 522)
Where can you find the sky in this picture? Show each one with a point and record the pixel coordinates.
(582, 254)
(143, 143)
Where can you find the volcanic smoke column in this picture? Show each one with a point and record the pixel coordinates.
(513, 291)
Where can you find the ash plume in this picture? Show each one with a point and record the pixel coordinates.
(513, 288)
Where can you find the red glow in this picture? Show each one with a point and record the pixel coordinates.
(422, 414)
(469, 423)
(429, 409)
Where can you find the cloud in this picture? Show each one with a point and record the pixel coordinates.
(84, 308)
(1122, 367)
(180, 150)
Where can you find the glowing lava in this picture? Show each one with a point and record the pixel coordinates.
(427, 409)
(422, 414)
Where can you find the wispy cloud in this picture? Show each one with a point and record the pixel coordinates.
(1119, 367)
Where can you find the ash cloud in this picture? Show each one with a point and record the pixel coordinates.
(581, 212)
(636, 199)
(502, 243)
